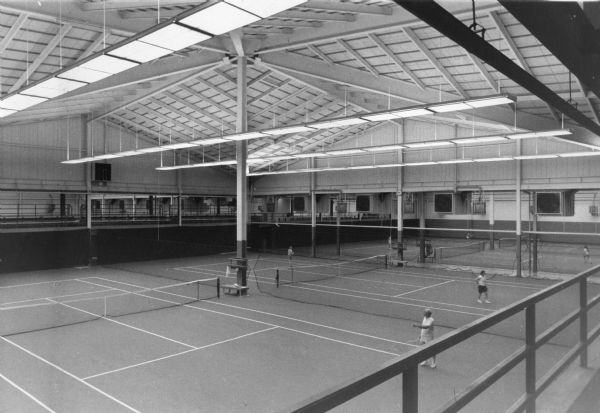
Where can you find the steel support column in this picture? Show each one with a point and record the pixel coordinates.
(241, 153)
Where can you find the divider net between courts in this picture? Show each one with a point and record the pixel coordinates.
(54, 313)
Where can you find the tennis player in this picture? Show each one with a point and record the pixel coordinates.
(290, 254)
(482, 288)
(586, 254)
(426, 335)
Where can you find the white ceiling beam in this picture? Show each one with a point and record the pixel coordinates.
(14, 29)
(41, 57)
(320, 54)
(301, 15)
(435, 62)
(358, 57)
(93, 46)
(389, 53)
(237, 38)
(336, 6)
(132, 4)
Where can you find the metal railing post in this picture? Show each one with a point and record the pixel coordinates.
(583, 328)
(530, 358)
(410, 390)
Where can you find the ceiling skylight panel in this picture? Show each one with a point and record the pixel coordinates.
(219, 18)
(53, 87)
(140, 51)
(20, 102)
(174, 37)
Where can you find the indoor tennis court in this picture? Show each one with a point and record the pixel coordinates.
(119, 332)
(299, 206)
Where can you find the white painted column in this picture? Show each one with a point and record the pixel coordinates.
(241, 153)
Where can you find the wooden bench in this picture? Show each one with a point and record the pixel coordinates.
(234, 289)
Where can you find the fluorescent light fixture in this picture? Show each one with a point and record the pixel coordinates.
(429, 144)
(265, 8)
(521, 157)
(407, 113)
(418, 163)
(174, 37)
(179, 145)
(345, 152)
(384, 148)
(288, 130)
(83, 74)
(245, 136)
(491, 101)
(197, 165)
(578, 154)
(499, 159)
(379, 117)
(78, 160)
(106, 156)
(219, 18)
(140, 51)
(20, 102)
(210, 141)
(455, 161)
(128, 153)
(480, 139)
(539, 134)
(6, 112)
(151, 149)
(336, 123)
(449, 107)
(53, 87)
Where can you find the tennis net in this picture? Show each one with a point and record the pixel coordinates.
(457, 250)
(49, 313)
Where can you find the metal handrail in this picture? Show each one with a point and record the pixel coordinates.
(407, 365)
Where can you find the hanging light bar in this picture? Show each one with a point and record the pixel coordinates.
(197, 165)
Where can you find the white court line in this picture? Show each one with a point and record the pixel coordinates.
(53, 297)
(424, 288)
(25, 392)
(70, 374)
(288, 318)
(306, 322)
(124, 324)
(178, 354)
(398, 302)
(40, 282)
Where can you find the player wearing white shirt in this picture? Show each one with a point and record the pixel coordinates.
(426, 335)
(482, 286)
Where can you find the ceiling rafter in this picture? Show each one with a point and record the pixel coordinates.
(330, 17)
(588, 101)
(493, 83)
(92, 47)
(278, 103)
(182, 114)
(409, 31)
(514, 49)
(339, 7)
(358, 57)
(271, 89)
(14, 29)
(390, 54)
(315, 49)
(196, 108)
(176, 83)
(33, 66)
(200, 96)
(215, 88)
(279, 22)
